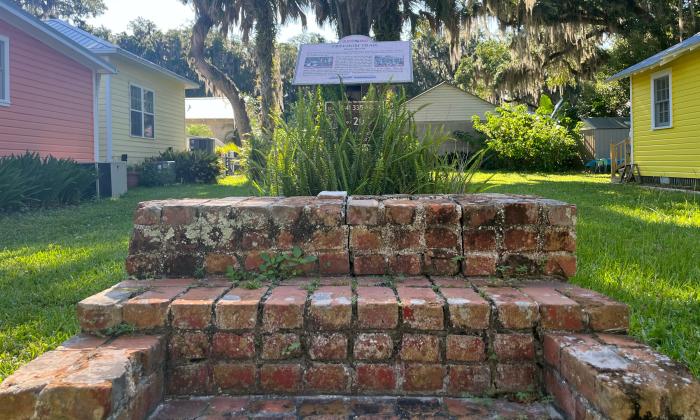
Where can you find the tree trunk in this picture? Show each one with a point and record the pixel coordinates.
(216, 79)
(265, 32)
(388, 25)
(354, 17)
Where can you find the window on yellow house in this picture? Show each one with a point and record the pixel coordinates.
(661, 100)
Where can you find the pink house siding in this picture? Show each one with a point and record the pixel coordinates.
(51, 101)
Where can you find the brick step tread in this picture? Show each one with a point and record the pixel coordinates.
(331, 304)
(120, 377)
(617, 376)
(334, 406)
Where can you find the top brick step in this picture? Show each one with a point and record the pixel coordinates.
(477, 235)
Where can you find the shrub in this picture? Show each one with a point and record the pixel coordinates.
(29, 181)
(153, 174)
(194, 166)
(530, 141)
(321, 149)
(199, 130)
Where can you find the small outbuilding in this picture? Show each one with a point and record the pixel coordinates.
(450, 109)
(215, 113)
(601, 132)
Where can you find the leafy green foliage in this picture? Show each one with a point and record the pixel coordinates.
(275, 268)
(191, 167)
(375, 151)
(30, 181)
(530, 141)
(199, 130)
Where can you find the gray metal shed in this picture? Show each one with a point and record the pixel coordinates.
(600, 132)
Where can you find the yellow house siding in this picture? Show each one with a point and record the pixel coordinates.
(169, 113)
(670, 152)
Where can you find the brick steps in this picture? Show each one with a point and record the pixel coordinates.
(425, 336)
(341, 407)
(88, 377)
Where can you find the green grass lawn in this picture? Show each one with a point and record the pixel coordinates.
(637, 245)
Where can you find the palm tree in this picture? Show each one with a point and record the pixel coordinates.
(260, 17)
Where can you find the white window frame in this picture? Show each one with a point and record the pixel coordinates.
(6, 62)
(143, 112)
(655, 77)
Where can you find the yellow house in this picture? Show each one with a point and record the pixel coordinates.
(665, 128)
(141, 108)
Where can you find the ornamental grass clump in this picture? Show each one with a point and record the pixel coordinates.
(375, 150)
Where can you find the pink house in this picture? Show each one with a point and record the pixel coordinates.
(47, 89)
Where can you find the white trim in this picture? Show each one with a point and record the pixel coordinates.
(6, 64)
(143, 112)
(653, 78)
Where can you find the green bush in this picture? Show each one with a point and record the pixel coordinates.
(320, 149)
(521, 140)
(29, 181)
(191, 167)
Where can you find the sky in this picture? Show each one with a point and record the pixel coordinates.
(172, 14)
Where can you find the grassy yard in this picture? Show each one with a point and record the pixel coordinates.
(636, 245)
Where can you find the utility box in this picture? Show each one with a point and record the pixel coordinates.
(111, 179)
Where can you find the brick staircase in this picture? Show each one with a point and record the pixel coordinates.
(415, 306)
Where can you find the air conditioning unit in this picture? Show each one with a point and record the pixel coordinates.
(111, 179)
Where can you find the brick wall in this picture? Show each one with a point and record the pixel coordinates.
(476, 235)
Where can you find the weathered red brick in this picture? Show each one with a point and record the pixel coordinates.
(190, 379)
(363, 212)
(481, 240)
(219, 263)
(553, 343)
(334, 263)
(281, 346)
(603, 313)
(375, 378)
(182, 213)
(253, 261)
(407, 264)
(327, 213)
(373, 346)
(441, 212)
(415, 281)
(104, 310)
(234, 377)
(400, 212)
(377, 307)
(280, 378)
(441, 237)
(330, 239)
(620, 340)
(404, 238)
(479, 264)
(477, 215)
(148, 396)
(469, 379)
(561, 393)
(19, 392)
(420, 348)
(238, 309)
(252, 240)
(150, 309)
(328, 347)
(521, 377)
(331, 307)
(421, 308)
(521, 213)
(467, 309)
(439, 263)
(365, 239)
(580, 363)
(559, 240)
(560, 265)
(187, 345)
(451, 282)
(520, 239)
(561, 214)
(514, 310)
(465, 348)
(146, 351)
(233, 346)
(192, 310)
(423, 377)
(557, 312)
(513, 347)
(326, 378)
(148, 213)
(271, 407)
(284, 308)
(365, 265)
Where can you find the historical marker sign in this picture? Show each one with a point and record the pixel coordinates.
(354, 60)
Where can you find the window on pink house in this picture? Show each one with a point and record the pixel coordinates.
(4, 70)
